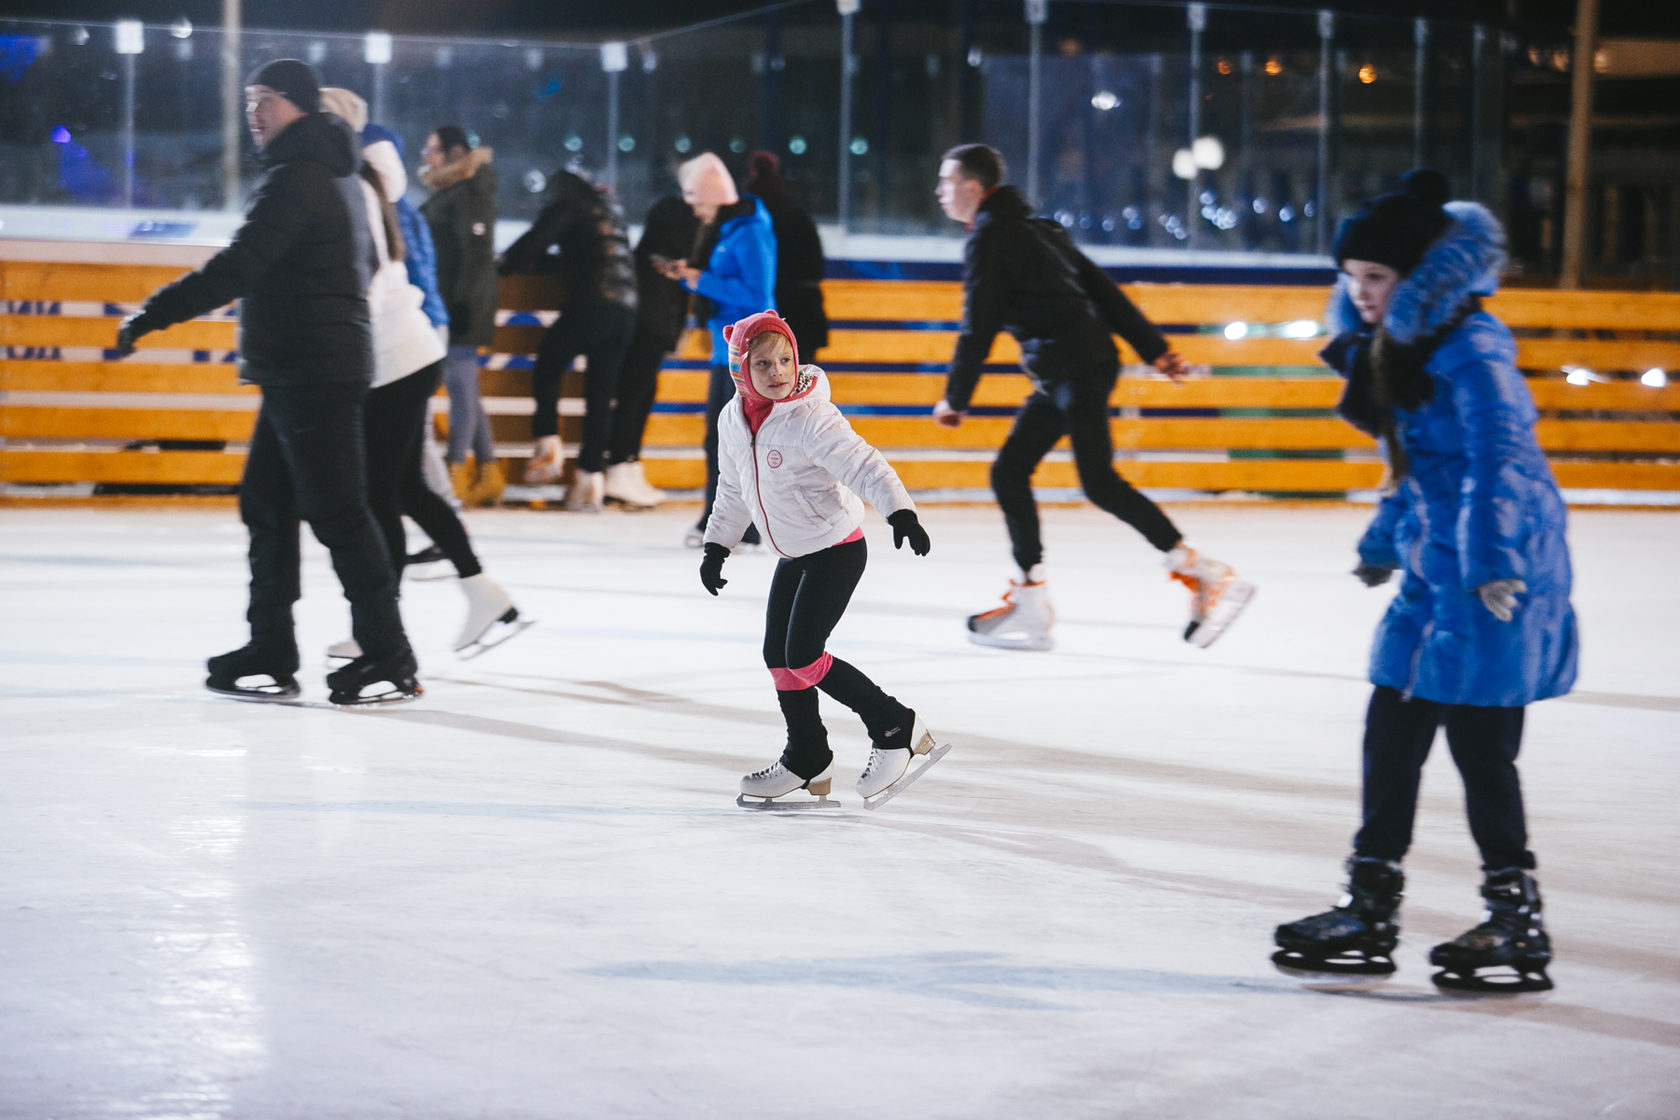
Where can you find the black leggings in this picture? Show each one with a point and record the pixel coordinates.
(601, 333)
(1079, 410)
(808, 594)
(1484, 744)
(638, 384)
(395, 426)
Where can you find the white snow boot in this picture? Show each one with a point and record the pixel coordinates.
(1217, 596)
(491, 617)
(761, 788)
(548, 459)
(626, 485)
(587, 492)
(1024, 620)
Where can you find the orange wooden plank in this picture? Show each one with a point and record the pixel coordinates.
(173, 467)
(69, 330)
(130, 376)
(103, 283)
(32, 422)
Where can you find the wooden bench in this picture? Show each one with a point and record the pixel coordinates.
(1261, 423)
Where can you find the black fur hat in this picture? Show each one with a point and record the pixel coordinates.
(1397, 229)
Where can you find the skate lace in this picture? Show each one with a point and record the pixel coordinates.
(769, 771)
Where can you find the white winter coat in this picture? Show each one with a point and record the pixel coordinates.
(799, 478)
(404, 341)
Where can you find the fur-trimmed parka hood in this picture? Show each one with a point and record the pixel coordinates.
(458, 170)
(1463, 262)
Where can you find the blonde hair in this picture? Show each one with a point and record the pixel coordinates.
(757, 345)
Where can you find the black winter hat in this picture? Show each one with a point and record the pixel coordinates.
(298, 82)
(1397, 229)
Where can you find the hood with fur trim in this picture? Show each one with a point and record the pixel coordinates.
(456, 170)
(1463, 262)
(383, 157)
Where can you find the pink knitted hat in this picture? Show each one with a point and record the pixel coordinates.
(707, 181)
(740, 336)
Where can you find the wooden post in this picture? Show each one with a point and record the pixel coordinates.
(1580, 143)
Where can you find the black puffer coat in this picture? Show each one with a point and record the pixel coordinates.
(1024, 275)
(578, 235)
(668, 230)
(462, 217)
(300, 265)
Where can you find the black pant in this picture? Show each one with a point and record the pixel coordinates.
(808, 595)
(601, 333)
(395, 426)
(1079, 410)
(718, 392)
(638, 384)
(306, 463)
(1484, 744)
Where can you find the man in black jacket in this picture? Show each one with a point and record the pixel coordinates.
(578, 235)
(300, 266)
(1024, 275)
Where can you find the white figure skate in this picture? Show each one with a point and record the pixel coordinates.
(626, 485)
(1217, 596)
(491, 617)
(762, 789)
(548, 459)
(888, 771)
(1024, 620)
(587, 493)
(347, 650)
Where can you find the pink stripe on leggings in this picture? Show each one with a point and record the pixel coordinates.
(792, 680)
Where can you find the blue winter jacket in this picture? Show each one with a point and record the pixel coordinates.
(740, 276)
(421, 260)
(1478, 503)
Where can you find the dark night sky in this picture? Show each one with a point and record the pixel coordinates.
(591, 18)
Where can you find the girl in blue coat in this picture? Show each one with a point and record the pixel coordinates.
(1472, 520)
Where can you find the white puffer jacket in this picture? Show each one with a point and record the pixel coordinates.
(404, 341)
(799, 478)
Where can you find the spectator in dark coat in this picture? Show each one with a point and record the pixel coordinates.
(579, 236)
(799, 255)
(462, 215)
(300, 266)
(668, 231)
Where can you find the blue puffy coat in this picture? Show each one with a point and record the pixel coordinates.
(1479, 502)
(740, 275)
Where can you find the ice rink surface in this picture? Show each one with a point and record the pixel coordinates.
(530, 894)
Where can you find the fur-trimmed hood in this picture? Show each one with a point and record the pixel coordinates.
(1464, 261)
(456, 170)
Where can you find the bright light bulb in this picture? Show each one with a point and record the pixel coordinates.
(1235, 331)
(1577, 376)
(1654, 377)
(1301, 328)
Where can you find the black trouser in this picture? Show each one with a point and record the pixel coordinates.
(638, 384)
(395, 425)
(306, 463)
(601, 333)
(1484, 744)
(718, 392)
(808, 595)
(1079, 410)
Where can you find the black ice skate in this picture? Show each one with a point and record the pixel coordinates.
(1513, 940)
(1355, 938)
(350, 685)
(255, 659)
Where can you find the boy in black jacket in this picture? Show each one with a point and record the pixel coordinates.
(1024, 275)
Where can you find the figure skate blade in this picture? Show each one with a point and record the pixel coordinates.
(897, 787)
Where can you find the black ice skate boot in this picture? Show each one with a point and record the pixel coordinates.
(394, 670)
(272, 658)
(1513, 938)
(1358, 936)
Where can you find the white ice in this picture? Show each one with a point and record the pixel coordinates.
(530, 893)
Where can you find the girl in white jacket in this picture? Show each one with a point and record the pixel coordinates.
(790, 463)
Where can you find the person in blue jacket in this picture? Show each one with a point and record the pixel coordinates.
(1473, 521)
(732, 272)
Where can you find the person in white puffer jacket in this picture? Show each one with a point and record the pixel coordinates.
(408, 359)
(789, 462)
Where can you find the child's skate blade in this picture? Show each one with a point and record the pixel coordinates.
(500, 631)
(1508, 983)
(932, 756)
(1204, 633)
(1012, 641)
(1293, 963)
(779, 805)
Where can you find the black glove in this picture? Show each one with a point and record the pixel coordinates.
(131, 329)
(1371, 575)
(711, 567)
(906, 527)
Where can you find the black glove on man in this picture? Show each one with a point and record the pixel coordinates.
(711, 567)
(131, 329)
(906, 527)
(1371, 575)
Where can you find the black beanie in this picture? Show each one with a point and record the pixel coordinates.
(1397, 229)
(450, 136)
(298, 82)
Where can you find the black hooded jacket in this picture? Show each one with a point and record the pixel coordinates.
(300, 265)
(668, 230)
(579, 234)
(1024, 275)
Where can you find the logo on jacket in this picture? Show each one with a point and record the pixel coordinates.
(774, 458)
